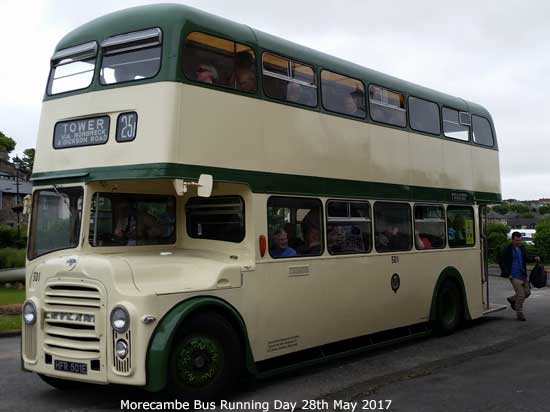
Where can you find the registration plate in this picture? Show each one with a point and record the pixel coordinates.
(72, 367)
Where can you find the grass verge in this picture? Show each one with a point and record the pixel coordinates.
(10, 323)
(11, 296)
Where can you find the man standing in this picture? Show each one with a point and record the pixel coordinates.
(513, 264)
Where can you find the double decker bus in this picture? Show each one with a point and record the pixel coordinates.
(211, 201)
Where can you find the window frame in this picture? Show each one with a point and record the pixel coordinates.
(490, 128)
(351, 116)
(411, 237)
(65, 54)
(278, 76)
(322, 229)
(442, 206)
(159, 195)
(243, 203)
(371, 225)
(405, 109)
(473, 227)
(454, 139)
(181, 62)
(34, 216)
(439, 113)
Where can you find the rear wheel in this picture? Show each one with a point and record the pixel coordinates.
(205, 360)
(449, 308)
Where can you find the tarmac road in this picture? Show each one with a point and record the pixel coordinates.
(494, 364)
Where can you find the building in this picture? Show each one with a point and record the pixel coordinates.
(12, 182)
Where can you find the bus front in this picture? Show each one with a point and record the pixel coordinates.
(108, 254)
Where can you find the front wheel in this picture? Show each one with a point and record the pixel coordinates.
(449, 308)
(205, 360)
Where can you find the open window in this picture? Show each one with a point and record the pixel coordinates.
(131, 56)
(72, 68)
(289, 80)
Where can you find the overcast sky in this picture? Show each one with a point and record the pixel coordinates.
(496, 53)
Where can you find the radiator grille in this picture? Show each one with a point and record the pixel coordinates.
(72, 312)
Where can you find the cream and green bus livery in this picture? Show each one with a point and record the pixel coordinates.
(211, 202)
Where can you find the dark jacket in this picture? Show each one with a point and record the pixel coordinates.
(506, 257)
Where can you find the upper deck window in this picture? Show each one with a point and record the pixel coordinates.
(424, 116)
(387, 106)
(131, 56)
(288, 80)
(454, 126)
(343, 94)
(220, 62)
(72, 68)
(483, 133)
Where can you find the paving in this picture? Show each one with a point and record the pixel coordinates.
(494, 364)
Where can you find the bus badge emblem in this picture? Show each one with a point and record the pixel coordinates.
(395, 282)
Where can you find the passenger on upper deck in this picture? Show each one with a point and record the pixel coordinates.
(245, 72)
(206, 73)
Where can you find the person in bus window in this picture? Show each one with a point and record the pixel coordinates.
(293, 240)
(311, 227)
(293, 92)
(245, 73)
(279, 245)
(206, 73)
(422, 241)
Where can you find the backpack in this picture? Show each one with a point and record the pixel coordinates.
(538, 277)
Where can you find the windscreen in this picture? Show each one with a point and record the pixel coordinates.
(122, 219)
(56, 218)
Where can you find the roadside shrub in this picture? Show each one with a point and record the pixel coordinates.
(12, 258)
(497, 238)
(542, 239)
(8, 237)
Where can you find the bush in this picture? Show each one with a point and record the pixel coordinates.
(12, 258)
(8, 237)
(497, 238)
(542, 239)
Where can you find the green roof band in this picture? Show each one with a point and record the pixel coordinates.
(273, 183)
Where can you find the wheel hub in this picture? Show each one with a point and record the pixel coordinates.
(199, 360)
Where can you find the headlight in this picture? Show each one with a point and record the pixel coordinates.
(121, 348)
(120, 319)
(29, 313)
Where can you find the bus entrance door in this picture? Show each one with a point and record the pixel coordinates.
(487, 306)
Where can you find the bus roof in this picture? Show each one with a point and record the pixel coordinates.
(176, 20)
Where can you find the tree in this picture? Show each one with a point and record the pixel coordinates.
(6, 143)
(542, 239)
(502, 209)
(26, 163)
(544, 209)
(497, 237)
(518, 208)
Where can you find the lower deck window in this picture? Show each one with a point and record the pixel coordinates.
(429, 227)
(392, 226)
(295, 227)
(216, 218)
(120, 219)
(460, 226)
(348, 227)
